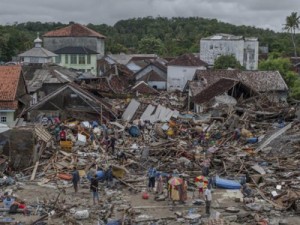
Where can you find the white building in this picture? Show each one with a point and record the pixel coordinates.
(245, 50)
(181, 70)
(37, 55)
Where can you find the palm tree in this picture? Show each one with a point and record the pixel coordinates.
(291, 25)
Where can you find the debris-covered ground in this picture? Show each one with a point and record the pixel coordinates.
(247, 153)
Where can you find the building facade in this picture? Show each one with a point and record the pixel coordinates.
(37, 55)
(77, 47)
(181, 70)
(13, 94)
(78, 58)
(245, 50)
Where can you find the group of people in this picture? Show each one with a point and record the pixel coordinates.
(94, 176)
(177, 191)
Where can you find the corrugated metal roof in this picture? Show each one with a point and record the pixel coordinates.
(38, 52)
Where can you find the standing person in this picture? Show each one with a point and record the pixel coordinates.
(63, 135)
(105, 141)
(183, 191)
(109, 176)
(151, 177)
(94, 189)
(75, 179)
(111, 144)
(205, 168)
(200, 189)
(208, 199)
(160, 184)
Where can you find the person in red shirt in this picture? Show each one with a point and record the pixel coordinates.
(63, 135)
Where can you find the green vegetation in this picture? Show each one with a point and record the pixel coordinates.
(284, 66)
(291, 25)
(171, 36)
(227, 61)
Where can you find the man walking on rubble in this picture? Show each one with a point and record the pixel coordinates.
(208, 199)
(94, 189)
(151, 177)
(75, 179)
(111, 144)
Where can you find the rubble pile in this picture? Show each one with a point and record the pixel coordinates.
(249, 154)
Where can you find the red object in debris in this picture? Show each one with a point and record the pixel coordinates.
(64, 176)
(145, 195)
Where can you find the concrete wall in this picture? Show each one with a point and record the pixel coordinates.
(179, 75)
(10, 117)
(36, 60)
(251, 55)
(93, 43)
(210, 50)
(159, 85)
(246, 52)
(92, 67)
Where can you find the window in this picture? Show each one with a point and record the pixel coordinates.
(73, 59)
(81, 59)
(3, 117)
(58, 59)
(88, 59)
(66, 59)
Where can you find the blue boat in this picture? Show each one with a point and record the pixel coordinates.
(227, 184)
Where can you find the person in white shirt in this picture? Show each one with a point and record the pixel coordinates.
(208, 199)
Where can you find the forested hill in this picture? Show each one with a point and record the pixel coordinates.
(164, 36)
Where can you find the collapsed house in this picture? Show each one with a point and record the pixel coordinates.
(71, 101)
(154, 74)
(43, 79)
(115, 81)
(213, 87)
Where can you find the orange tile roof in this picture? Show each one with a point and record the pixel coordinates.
(12, 105)
(9, 79)
(74, 30)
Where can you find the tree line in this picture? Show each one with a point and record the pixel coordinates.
(160, 35)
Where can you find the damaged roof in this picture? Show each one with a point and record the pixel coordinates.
(142, 87)
(93, 100)
(260, 81)
(37, 75)
(187, 60)
(74, 30)
(152, 76)
(218, 88)
(115, 80)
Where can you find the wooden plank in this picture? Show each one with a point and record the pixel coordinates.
(34, 170)
(273, 136)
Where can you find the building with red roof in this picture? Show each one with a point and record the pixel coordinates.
(13, 94)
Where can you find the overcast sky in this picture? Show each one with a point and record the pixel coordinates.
(261, 13)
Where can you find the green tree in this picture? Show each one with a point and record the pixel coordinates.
(227, 61)
(291, 25)
(283, 65)
(150, 45)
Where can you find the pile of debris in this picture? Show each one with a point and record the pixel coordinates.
(244, 148)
